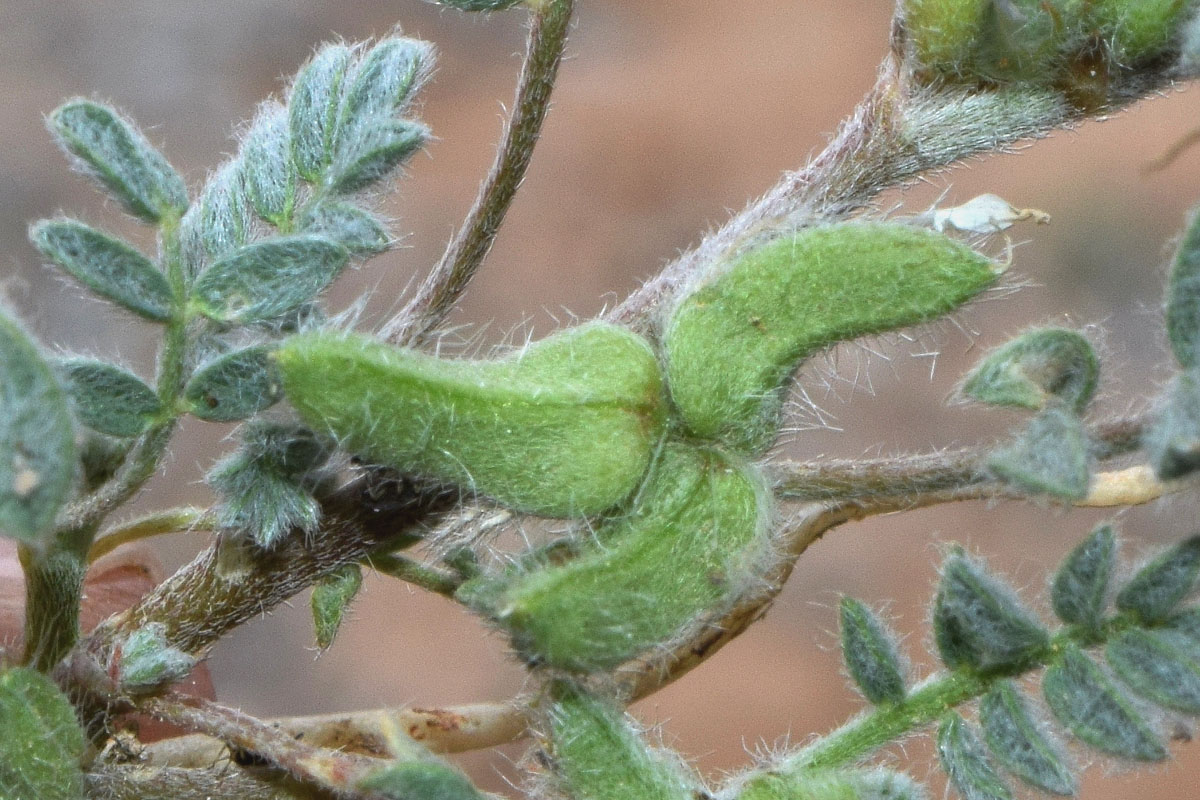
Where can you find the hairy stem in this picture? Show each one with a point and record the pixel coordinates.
(416, 573)
(156, 524)
(204, 782)
(443, 287)
(53, 595)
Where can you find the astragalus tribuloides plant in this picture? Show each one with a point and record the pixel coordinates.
(648, 436)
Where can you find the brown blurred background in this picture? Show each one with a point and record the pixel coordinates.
(668, 115)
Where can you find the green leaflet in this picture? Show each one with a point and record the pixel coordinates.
(313, 107)
(234, 385)
(331, 598)
(732, 343)
(979, 623)
(147, 662)
(109, 399)
(1035, 367)
(1183, 298)
(870, 652)
(267, 170)
(109, 267)
(695, 539)
(565, 427)
(37, 438)
(966, 761)
(42, 743)
(599, 755)
(356, 230)
(1153, 666)
(265, 485)
(269, 278)
(1079, 592)
(1172, 441)
(1051, 456)
(218, 222)
(1093, 709)
(1015, 741)
(119, 158)
(1157, 588)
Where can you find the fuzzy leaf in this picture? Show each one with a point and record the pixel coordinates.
(108, 266)
(1172, 441)
(331, 598)
(1154, 667)
(372, 151)
(965, 760)
(1049, 457)
(42, 743)
(1154, 592)
(37, 440)
(148, 662)
(100, 457)
(267, 166)
(1080, 589)
(382, 84)
(268, 278)
(107, 398)
(218, 222)
(235, 385)
(1035, 367)
(979, 623)
(1183, 298)
(119, 158)
(419, 780)
(265, 485)
(1095, 711)
(869, 649)
(313, 108)
(356, 230)
(599, 755)
(1015, 741)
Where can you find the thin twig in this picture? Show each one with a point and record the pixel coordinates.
(416, 573)
(453, 729)
(334, 770)
(444, 286)
(156, 524)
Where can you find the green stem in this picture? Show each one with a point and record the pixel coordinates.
(551, 19)
(156, 524)
(428, 578)
(53, 596)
